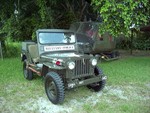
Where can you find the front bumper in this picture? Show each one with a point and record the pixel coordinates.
(76, 82)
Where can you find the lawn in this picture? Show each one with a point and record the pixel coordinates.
(127, 90)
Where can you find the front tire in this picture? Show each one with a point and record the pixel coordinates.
(54, 88)
(28, 74)
(99, 85)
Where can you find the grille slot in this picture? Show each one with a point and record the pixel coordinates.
(82, 67)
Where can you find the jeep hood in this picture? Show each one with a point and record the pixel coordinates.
(64, 56)
(51, 59)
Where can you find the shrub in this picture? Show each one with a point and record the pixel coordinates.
(13, 49)
(142, 42)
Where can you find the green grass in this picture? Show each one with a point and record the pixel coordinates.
(127, 89)
(14, 88)
(128, 70)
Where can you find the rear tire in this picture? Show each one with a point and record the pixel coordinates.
(28, 74)
(54, 88)
(99, 85)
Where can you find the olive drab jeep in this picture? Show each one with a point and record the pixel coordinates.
(55, 57)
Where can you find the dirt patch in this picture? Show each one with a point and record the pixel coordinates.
(110, 95)
(2, 101)
(43, 105)
(118, 92)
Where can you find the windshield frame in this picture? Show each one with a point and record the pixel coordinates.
(62, 38)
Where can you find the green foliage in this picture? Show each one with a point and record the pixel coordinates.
(13, 49)
(37, 14)
(123, 43)
(142, 41)
(34, 15)
(42, 11)
(118, 16)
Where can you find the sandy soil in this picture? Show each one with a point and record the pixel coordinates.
(43, 105)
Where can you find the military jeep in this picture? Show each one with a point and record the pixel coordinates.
(55, 57)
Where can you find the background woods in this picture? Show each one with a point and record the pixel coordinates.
(19, 19)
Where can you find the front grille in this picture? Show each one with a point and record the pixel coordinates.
(82, 68)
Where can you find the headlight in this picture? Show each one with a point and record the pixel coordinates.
(71, 65)
(94, 62)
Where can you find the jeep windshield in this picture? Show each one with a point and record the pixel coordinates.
(56, 38)
(87, 28)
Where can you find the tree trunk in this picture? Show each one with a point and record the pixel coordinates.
(131, 46)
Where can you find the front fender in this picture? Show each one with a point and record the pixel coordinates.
(54, 66)
(98, 71)
(44, 70)
(49, 66)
